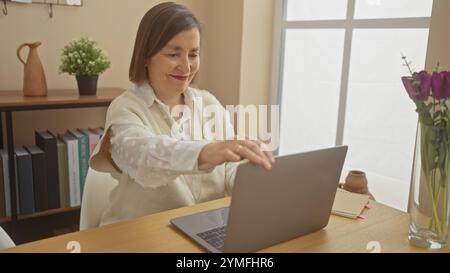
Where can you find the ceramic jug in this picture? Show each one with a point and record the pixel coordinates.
(34, 82)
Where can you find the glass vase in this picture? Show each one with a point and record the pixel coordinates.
(429, 193)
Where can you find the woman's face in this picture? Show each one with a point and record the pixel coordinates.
(172, 69)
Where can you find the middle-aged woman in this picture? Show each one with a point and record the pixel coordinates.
(155, 170)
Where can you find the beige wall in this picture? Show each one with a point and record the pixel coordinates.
(439, 39)
(222, 46)
(236, 50)
(112, 23)
(256, 53)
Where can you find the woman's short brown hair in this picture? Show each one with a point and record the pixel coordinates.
(158, 26)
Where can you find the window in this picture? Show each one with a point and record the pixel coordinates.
(338, 67)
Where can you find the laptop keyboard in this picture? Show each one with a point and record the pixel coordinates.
(214, 237)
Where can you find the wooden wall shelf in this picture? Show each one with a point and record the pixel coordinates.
(13, 101)
(56, 99)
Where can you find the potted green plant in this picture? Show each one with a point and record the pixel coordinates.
(86, 61)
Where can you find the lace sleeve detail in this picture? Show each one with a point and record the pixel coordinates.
(153, 160)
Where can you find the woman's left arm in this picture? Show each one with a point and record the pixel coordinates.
(153, 160)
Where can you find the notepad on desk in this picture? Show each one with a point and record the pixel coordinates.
(349, 204)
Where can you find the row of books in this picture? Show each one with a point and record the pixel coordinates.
(50, 174)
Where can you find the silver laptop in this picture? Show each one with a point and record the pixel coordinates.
(267, 207)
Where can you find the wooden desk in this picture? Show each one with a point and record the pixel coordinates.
(154, 233)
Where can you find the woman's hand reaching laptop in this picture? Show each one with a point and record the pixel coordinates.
(219, 152)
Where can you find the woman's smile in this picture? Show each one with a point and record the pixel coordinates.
(180, 78)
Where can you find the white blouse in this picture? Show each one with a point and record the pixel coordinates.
(144, 156)
(159, 166)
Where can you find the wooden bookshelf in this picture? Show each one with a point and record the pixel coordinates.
(47, 212)
(40, 214)
(5, 220)
(24, 228)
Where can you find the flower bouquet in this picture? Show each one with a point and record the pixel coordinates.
(429, 193)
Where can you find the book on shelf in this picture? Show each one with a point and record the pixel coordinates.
(83, 155)
(99, 131)
(93, 139)
(73, 168)
(47, 142)
(2, 192)
(63, 174)
(24, 182)
(39, 167)
(6, 188)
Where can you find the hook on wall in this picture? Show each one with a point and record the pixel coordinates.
(72, 3)
(5, 8)
(50, 13)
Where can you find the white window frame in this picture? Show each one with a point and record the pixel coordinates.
(348, 24)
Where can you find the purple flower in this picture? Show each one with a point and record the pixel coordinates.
(425, 83)
(407, 82)
(440, 85)
(418, 86)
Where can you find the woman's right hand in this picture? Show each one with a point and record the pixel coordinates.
(219, 152)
